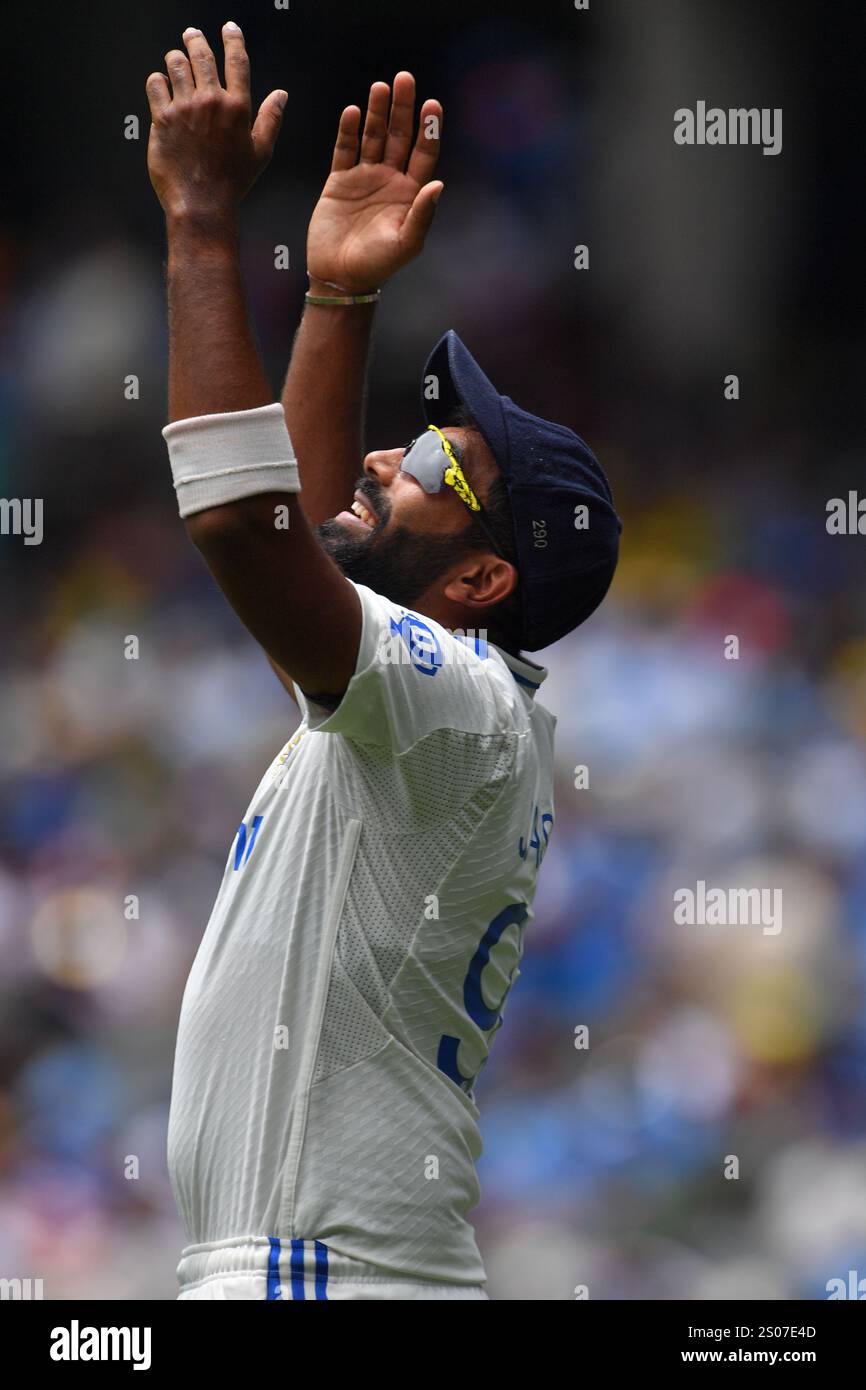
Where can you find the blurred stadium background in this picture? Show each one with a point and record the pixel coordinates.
(602, 1167)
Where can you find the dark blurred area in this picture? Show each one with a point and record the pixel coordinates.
(125, 777)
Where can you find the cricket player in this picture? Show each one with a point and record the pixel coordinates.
(370, 922)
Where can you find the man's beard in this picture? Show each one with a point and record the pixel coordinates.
(398, 563)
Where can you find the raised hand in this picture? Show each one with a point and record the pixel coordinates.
(375, 212)
(203, 154)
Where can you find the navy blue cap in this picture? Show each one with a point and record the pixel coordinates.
(564, 571)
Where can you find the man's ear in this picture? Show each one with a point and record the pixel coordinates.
(503, 578)
(481, 581)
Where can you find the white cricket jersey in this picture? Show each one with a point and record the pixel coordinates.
(355, 967)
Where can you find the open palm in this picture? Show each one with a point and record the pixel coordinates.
(374, 213)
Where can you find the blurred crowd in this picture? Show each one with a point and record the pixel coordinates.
(126, 766)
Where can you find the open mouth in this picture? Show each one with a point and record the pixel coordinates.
(363, 512)
(360, 515)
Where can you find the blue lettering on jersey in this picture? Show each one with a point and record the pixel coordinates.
(534, 841)
(478, 645)
(421, 642)
(243, 844)
(486, 1018)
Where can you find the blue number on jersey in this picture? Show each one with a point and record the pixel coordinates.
(534, 841)
(240, 856)
(482, 1014)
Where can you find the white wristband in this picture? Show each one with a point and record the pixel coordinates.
(220, 458)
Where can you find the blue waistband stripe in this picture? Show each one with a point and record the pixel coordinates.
(300, 1249)
(274, 1290)
(321, 1270)
(298, 1290)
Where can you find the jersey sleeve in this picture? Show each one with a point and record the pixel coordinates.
(412, 677)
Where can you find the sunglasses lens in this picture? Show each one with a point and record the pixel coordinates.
(426, 461)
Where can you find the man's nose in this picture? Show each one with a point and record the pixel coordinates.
(383, 465)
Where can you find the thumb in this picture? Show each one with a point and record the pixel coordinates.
(266, 126)
(420, 215)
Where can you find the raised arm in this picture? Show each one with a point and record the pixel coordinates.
(372, 218)
(203, 156)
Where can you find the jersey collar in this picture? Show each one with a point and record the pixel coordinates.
(528, 676)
